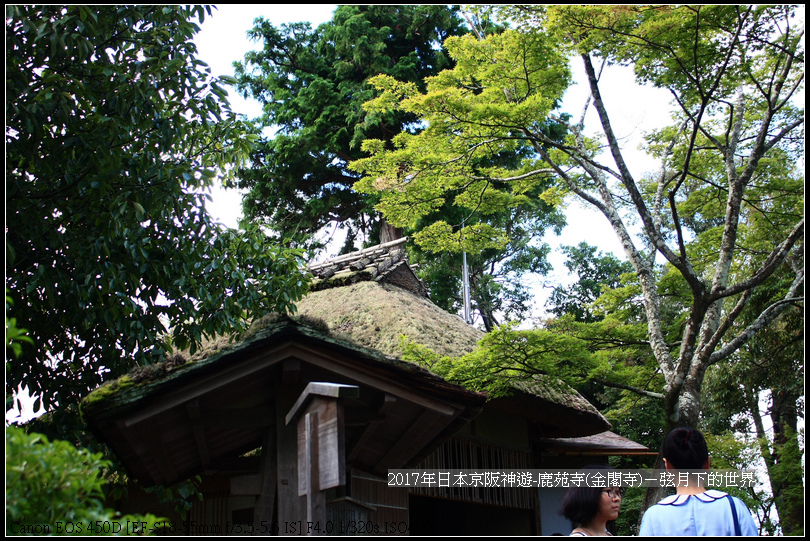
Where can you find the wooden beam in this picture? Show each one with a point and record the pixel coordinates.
(246, 367)
(359, 444)
(261, 417)
(291, 371)
(141, 450)
(153, 439)
(420, 433)
(350, 368)
(291, 506)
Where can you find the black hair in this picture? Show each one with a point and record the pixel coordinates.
(581, 504)
(685, 449)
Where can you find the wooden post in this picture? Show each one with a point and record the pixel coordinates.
(321, 449)
(291, 507)
(265, 505)
(316, 500)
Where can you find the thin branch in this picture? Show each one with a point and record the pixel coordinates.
(636, 390)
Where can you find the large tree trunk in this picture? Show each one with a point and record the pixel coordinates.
(388, 232)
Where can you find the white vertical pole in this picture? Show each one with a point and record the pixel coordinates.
(465, 288)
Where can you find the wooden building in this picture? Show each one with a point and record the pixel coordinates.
(303, 417)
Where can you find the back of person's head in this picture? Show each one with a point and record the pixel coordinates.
(685, 449)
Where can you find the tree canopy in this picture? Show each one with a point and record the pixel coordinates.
(312, 85)
(114, 130)
(724, 212)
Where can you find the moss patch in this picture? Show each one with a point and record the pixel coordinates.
(106, 392)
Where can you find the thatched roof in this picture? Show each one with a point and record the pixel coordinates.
(362, 305)
(376, 315)
(361, 316)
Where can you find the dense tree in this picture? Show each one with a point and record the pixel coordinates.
(595, 272)
(498, 292)
(312, 84)
(54, 488)
(114, 129)
(768, 370)
(724, 212)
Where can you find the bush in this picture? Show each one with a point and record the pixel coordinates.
(55, 488)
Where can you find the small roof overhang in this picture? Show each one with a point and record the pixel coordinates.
(202, 415)
(605, 444)
(555, 409)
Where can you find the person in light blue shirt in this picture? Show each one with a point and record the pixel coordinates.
(694, 510)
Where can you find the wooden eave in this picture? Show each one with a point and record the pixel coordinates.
(551, 418)
(203, 415)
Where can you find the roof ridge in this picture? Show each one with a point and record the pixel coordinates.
(379, 249)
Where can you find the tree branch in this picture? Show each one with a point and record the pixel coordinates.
(636, 390)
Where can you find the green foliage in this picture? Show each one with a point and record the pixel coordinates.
(725, 212)
(474, 115)
(506, 356)
(787, 475)
(15, 336)
(596, 272)
(114, 130)
(312, 84)
(632, 500)
(52, 488)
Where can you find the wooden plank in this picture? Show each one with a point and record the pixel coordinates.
(331, 447)
(321, 389)
(316, 498)
(246, 485)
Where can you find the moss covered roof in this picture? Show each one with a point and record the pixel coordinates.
(357, 307)
(376, 315)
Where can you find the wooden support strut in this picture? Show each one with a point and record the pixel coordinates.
(321, 447)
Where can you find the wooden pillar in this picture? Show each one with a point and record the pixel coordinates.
(291, 507)
(263, 512)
